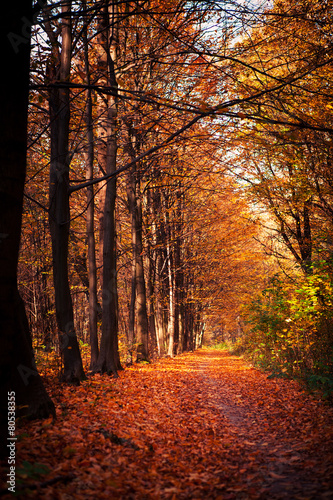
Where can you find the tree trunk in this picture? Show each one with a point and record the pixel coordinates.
(141, 308)
(108, 360)
(92, 268)
(59, 215)
(172, 303)
(138, 278)
(17, 366)
(158, 281)
(150, 299)
(171, 281)
(179, 296)
(138, 295)
(131, 322)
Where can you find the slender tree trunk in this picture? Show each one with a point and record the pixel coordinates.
(92, 268)
(138, 296)
(171, 281)
(178, 296)
(141, 308)
(59, 215)
(159, 312)
(108, 359)
(138, 277)
(131, 322)
(150, 296)
(180, 318)
(17, 366)
(189, 315)
(158, 281)
(199, 329)
(159, 309)
(179, 279)
(172, 303)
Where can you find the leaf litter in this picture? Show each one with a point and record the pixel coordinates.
(203, 425)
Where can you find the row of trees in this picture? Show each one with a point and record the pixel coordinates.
(125, 81)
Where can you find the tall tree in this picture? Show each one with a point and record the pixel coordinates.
(59, 213)
(138, 305)
(89, 160)
(108, 359)
(17, 366)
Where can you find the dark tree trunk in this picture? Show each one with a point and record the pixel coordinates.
(17, 366)
(92, 267)
(150, 297)
(131, 321)
(171, 277)
(108, 359)
(158, 240)
(141, 308)
(138, 278)
(59, 215)
(172, 301)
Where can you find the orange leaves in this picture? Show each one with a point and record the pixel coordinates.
(202, 425)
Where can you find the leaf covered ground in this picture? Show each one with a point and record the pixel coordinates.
(202, 425)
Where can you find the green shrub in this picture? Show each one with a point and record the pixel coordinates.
(290, 329)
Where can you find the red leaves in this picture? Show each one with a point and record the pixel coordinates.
(202, 425)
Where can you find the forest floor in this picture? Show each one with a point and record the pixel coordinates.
(204, 425)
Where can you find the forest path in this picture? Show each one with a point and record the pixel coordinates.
(288, 453)
(203, 425)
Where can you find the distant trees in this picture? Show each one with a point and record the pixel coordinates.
(129, 106)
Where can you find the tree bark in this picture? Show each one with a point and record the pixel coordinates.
(150, 281)
(172, 302)
(138, 305)
(141, 308)
(59, 214)
(158, 281)
(108, 359)
(171, 280)
(131, 321)
(92, 267)
(17, 366)
(138, 295)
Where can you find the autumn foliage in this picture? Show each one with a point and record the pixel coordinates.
(201, 425)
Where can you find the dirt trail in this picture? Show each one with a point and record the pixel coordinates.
(279, 425)
(201, 426)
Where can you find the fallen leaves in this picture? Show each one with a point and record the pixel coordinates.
(202, 425)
